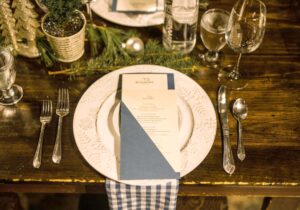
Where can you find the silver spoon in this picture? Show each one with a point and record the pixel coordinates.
(240, 112)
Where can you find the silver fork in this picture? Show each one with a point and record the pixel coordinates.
(62, 109)
(45, 118)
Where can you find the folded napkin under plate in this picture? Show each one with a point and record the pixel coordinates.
(157, 196)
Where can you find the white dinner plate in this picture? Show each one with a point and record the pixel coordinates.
(103, 9)
(96, 143)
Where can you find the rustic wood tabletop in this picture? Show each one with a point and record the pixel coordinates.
(271, 130)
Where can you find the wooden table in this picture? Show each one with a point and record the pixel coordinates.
(271, 131)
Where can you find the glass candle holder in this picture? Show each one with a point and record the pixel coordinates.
(10, 93)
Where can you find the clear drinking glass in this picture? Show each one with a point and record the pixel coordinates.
(10, 93)
(244, 34)
(180, 25)
(212, 31)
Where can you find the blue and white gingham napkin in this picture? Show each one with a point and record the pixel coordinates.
(134, 197)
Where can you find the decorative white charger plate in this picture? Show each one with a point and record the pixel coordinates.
(96, 147)
(103, 9)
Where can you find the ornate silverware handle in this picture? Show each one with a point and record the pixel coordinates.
(228, 161)
(56, 157)
(241, 149)
(37, 160)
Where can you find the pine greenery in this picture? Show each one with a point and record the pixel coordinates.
(47, 54)
(113, 56)
(61, 10)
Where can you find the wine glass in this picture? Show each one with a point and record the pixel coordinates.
(244, 34)
(10, 93)
(213, 27)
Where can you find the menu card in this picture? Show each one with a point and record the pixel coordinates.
(149, 127)
(134, 6)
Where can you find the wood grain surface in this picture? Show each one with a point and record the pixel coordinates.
(271, 130)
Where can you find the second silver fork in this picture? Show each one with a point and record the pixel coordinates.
(45, 118)
(62, 109)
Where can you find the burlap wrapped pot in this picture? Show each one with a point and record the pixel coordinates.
(67, 49)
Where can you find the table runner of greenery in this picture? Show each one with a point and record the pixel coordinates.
(106, 54)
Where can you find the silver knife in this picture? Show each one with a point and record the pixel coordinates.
(228, 162)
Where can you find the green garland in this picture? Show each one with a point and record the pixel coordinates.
(107, 54)
(106, 46)
(47, 54)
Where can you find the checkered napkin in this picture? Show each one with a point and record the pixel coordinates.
(133, 197)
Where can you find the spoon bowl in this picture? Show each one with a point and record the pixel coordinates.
(240, 109)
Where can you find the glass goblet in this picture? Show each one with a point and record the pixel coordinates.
(212, 31)
(244, 34)
(10, 93)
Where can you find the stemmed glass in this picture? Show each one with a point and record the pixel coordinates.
(213, 27)
(244, 34)
(10, 93)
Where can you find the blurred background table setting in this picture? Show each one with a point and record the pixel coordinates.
(236, 116)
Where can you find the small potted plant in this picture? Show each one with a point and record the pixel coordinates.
(64, 27)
